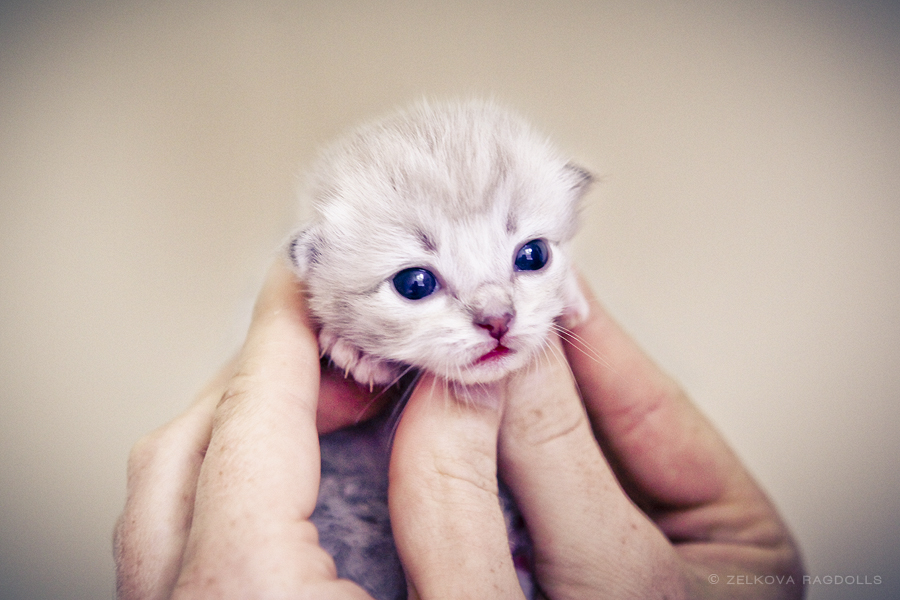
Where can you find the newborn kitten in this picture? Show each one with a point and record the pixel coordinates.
(439, 243)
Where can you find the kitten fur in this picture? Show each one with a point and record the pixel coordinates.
(455, 188)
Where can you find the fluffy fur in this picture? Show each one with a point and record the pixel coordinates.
(457, 189)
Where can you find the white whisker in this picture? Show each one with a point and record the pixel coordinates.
(407, 369)
(579, 344)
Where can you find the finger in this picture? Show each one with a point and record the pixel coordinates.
(578, 516)
(670, 457)
(258, 484)
(163, 468)
(664, 449)
(343, 401)
(444, 508)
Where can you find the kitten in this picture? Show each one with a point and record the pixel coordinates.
(439, 243)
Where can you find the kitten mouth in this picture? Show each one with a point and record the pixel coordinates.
(498, 352)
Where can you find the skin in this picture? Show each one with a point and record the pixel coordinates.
(627, 490)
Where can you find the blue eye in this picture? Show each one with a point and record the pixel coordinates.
(415, 283)
(532, 256)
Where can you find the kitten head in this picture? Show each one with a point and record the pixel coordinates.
(440, 242)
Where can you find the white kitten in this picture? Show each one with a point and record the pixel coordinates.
(440, 242)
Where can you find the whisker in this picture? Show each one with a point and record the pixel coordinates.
(395, 382)
(445, 383)
(393, 420)
(565, 361)
(434, 383)
(579, 344)
(548, 350)
(562, 357)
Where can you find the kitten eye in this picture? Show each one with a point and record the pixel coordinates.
(532, 256)
(415, 283)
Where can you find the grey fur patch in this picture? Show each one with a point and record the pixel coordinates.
(511, 224)
(352, 516)
(427, 243)
(294, 250)
(305, 250)
(583, 178)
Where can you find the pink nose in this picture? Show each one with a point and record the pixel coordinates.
(496, 325)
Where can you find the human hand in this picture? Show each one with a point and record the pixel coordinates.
(635, 497)
(219, 499)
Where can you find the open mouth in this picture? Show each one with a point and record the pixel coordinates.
(496, 353)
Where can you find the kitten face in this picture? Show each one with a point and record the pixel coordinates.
(441, 243)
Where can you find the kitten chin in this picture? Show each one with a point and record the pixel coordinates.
(440, 242)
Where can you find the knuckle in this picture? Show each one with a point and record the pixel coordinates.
(146, 451)
(541, 426)
(474, 472)
(235, 397)
(634, 419)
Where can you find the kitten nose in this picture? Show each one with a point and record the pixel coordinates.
(496, 325)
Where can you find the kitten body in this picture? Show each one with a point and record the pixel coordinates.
(457, 190)
(439, 243)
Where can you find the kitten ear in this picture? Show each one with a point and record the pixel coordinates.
(580, 179)
(302, 251)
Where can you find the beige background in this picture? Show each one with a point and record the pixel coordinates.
(746, 229)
